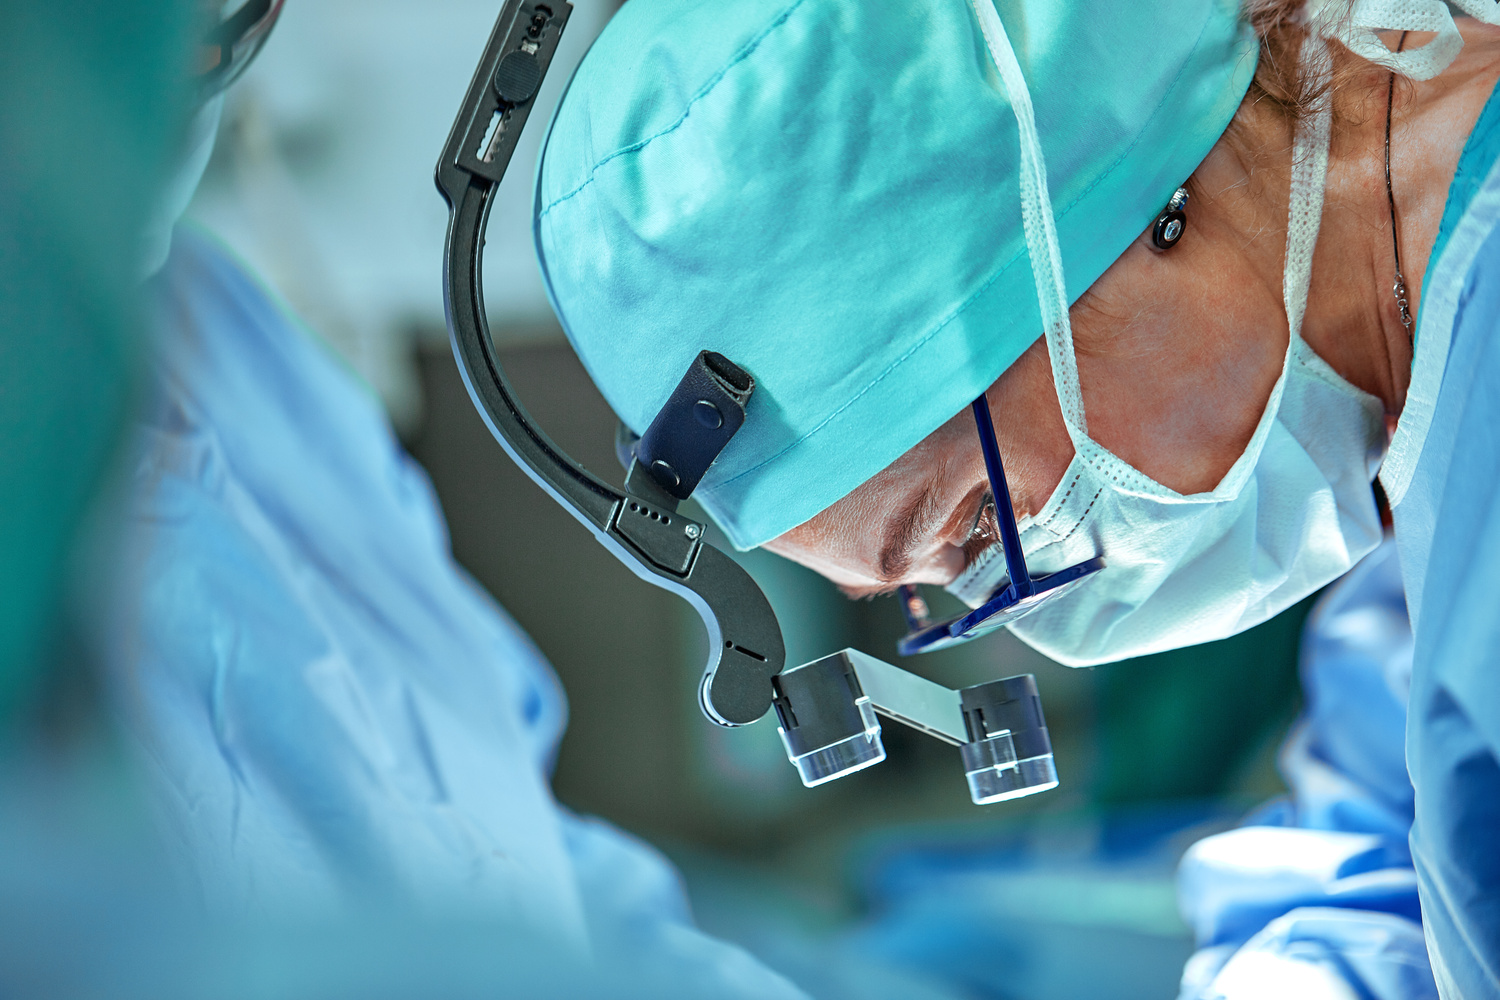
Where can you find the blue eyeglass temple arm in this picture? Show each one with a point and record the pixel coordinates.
(912, 605)
(1010, 534)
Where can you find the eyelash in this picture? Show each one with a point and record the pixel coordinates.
(984, 531)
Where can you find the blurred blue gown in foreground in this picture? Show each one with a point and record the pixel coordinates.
(1315, 897)
(333, 715)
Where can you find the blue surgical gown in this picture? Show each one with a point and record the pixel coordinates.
(1315, 896)
(1324, 895)
(1445, 489)
(331, 713)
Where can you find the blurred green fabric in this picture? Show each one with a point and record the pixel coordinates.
(1187, 723)
(93, 96)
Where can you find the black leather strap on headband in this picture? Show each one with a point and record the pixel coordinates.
(699, 418)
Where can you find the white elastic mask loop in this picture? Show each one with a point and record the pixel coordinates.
(1483, 10)
(1045, 256)
(1041, 230)
(1295, 510)
(1358, 31)
(1357, 26)
(1309, 173)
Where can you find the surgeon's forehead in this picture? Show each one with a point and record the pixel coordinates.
(868, 541)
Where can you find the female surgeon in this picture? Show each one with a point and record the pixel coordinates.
(888, 211)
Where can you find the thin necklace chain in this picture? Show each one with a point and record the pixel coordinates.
(1399, 288)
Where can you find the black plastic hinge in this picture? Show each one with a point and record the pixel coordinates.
(666, 540)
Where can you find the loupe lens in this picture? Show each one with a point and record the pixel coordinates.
(995, 775)
(827, 723)
(1009, 753)
(844, 757)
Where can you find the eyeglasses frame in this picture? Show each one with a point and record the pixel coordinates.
(1022, 593)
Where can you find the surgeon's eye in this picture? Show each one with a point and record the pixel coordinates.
(985, 530)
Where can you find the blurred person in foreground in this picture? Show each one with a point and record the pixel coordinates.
(333, 717)
(349, 742)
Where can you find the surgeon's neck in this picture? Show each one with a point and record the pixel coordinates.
(1353, 320)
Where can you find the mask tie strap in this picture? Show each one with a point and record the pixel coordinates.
(1305, 210)
(1480, 10)
(1041, 230)
(1305, 201)
(1357, 30)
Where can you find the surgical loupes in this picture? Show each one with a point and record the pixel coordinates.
(827, 713)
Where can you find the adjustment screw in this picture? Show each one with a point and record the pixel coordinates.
(517, 77)
(692, 531)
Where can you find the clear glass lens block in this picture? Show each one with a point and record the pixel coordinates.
(844, 757)
(1012, 780)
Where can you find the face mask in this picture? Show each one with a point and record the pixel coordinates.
(1295, 512)
(197, 147)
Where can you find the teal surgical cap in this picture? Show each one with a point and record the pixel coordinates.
(827, 192)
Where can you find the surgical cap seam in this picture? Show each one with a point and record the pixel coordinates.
(744, 53)
(984, 287)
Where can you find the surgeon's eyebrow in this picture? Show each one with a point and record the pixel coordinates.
(908, 529)
(904, 532)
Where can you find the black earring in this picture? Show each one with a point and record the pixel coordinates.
(1168, 227)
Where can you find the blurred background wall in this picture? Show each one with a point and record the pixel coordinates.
(322, 181)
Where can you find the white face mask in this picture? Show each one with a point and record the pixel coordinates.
(1295, 512)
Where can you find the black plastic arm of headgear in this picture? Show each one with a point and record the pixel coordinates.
(640, 524)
